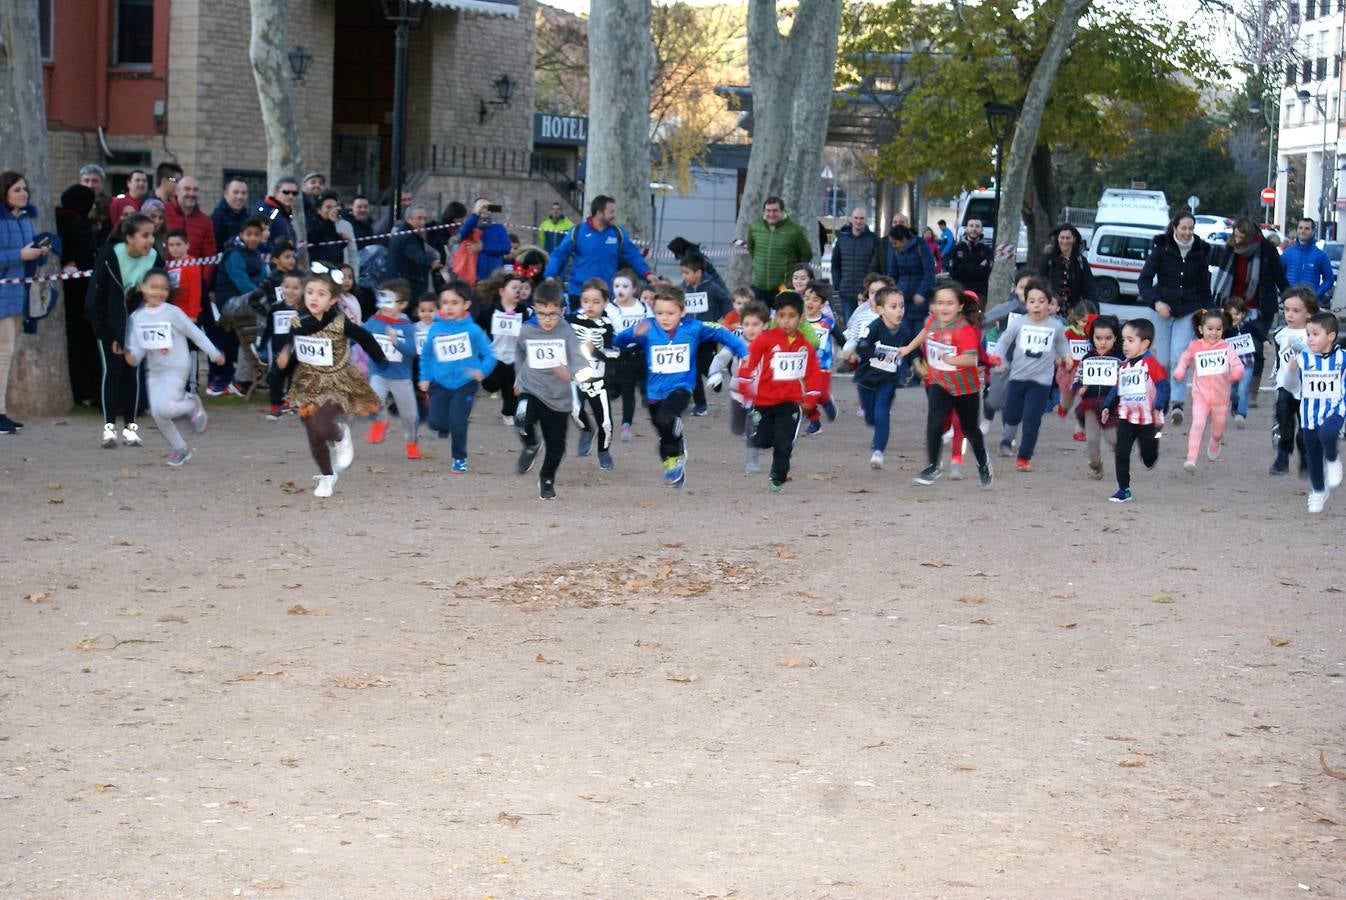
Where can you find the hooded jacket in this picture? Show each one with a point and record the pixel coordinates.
(227, 222)
(17, 232)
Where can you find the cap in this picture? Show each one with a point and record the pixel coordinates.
(387, 300)
(313, 175)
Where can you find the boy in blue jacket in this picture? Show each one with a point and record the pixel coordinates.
(457, 356)
(671, 343)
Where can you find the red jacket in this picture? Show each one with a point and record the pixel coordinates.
(200, 236)
(780, 369)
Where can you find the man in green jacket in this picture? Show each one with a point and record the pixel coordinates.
(554, 228)
(776, 244)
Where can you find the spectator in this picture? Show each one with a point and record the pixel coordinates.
(166, 176)
(314, 185)
(1306, 264)
(19, 258)
(855, 253)
(361, 222)
(78, 249)
(596, 248)
(231, 212)
(912, 268)
(970, 262)
(776, 244)
(385, 222)
(495, 243)
(1175, 281)
(1065, 269)
(277, 209)
(93, 177)
(442, 239)
(555, 227)
(1251, 270)
(409, 256)
(238, 275)
(933, 243)
(185, 213)
(946, 239)
(123, 205)
(154, 208)
(323, 230)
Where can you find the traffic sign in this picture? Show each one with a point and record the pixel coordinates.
(1268, 196)
(1193, 203)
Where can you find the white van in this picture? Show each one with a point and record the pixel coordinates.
(1124, 230)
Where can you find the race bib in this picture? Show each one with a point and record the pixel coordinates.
(389, 347)
(546, 354)
(420, 340)
(502, 323)
(1034, 339)
(884, 358)
(630, 319)
(1098, 372)
(314, 351)
(452, 347)
(1243, 344)
(935, 353)
(696, 302)
(670, 359)
(1212, 362)
(282, 320)
(1078, 350)
(280, 294)
(1321, 386)
(155, 335)
(789, 366)
(175, 278)
(1131, 384)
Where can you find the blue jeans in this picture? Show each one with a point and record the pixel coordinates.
(1025, 402)
(1241, 390)
(450, 410)
(1171, 337)
(878, 406)
(1321, 444)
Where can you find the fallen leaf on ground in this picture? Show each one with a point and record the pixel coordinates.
(875, 746)
(53, 486)
(289, 762)
(857, 490)
(153, 589)
(1117, 737)
(663, 572)
(1131, 763)
(785, 553)
(1278, 641)
(292, 586)
(127, 473)
(1330, 589)
(1067, 624)
(128, 611)
(172, 618)
(509, 819)
(797, 661)
(1328, 770)
(681, 677)
(1324, 819)
(595, 798)
(55, 501)
(351, 683)
(1161, 598)
(972, 599)
(980, 622)
(298, 609)
(670, 545)
(817, 477)
(824, 612)
(636, 584)
(978, 574)
(963, 767)
(378, 470)
(38, 597)
(104, 788)
(934, 564)
(547, 662)
(290, 487)
(1064, 594)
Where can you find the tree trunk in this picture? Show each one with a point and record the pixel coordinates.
(1040, 210)
(791, 97)
(39, 375)
(275, 94)
(617, 159)
(1019, 158)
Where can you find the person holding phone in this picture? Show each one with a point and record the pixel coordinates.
(494, 238)
(22, 249)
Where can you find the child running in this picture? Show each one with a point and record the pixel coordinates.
(459, 359)
(326, 387)
(280, 317)
(501, 316)
(817, 313)
(877, 377)
(1078, 324)
(595, 331)
(1139, 400)
(1216, 368)
(782, 374)
(158, 334)
(752, 318)
(952, 350)
(1039, 344)
(397, 337)
(670, 343)
(1241, 335)
(549, 357)
(627, 371)
(1318, 372)
(1297, 304)
(1095, 377)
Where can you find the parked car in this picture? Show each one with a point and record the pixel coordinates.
(1208, 226)
(1333, 250)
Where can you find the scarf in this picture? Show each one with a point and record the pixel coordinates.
(133, 268)
(1184, 248)
(1240, 275)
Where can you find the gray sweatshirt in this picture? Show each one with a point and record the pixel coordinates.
(538, 353)
(159, 336)
(1037, 347)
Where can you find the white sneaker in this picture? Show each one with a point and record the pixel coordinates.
(948, 435)
(985, 426)
(325, 485)
(109, 435)
(955, 471)
(1334, 474)
(876, 459)
(198, 419)
(1317, 500)
(131, 435)
(507, 421)
(343, 453)
(1240, 421)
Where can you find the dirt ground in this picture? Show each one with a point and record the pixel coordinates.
(433, 685)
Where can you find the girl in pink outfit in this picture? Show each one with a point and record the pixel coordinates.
(1216, 367)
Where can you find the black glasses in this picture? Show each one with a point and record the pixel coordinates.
(289, 193)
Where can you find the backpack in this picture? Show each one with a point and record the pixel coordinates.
(463, 262)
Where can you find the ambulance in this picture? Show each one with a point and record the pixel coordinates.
(1125, 227)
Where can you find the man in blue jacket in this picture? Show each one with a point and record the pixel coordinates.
(597, 249)
(1306, 264)
(494, 238)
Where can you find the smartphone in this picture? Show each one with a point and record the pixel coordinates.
(494, 207)
(42, 242)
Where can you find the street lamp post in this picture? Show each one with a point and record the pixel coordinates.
(1256, 107)
(1320, 103)
(1000, 119)
(403, 15)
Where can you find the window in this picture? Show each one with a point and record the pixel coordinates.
(1308, 10)
(45, 26)
(1320, 70)
(1305, 71)
(1124, 246)
(1325, 7)
(133, 38)
(1289, 74)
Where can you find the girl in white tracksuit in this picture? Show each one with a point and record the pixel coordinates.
(158, 333)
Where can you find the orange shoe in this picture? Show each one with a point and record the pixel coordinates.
(1023, 465)
(1061, 411)
(413, 451)
(1081, 436)
(376, 432)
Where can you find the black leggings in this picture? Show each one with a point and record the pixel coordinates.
(1129, 433)
(966, 407)
(554, 425)
(705, 355)
(1287, 420)
(667, 417)
(121, 386)
(624, 376)
(323, 426)
(777, 428)
(502, 379)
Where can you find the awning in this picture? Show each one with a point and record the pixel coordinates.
(508, 8)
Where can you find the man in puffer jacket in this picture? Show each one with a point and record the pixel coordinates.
(776, 244)
(1306, 264)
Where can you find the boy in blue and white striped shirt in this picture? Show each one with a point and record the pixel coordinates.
(1318, 373)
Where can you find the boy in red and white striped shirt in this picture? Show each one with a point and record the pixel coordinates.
(1141, 395)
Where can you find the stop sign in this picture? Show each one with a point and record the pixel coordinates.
(1269, 196)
